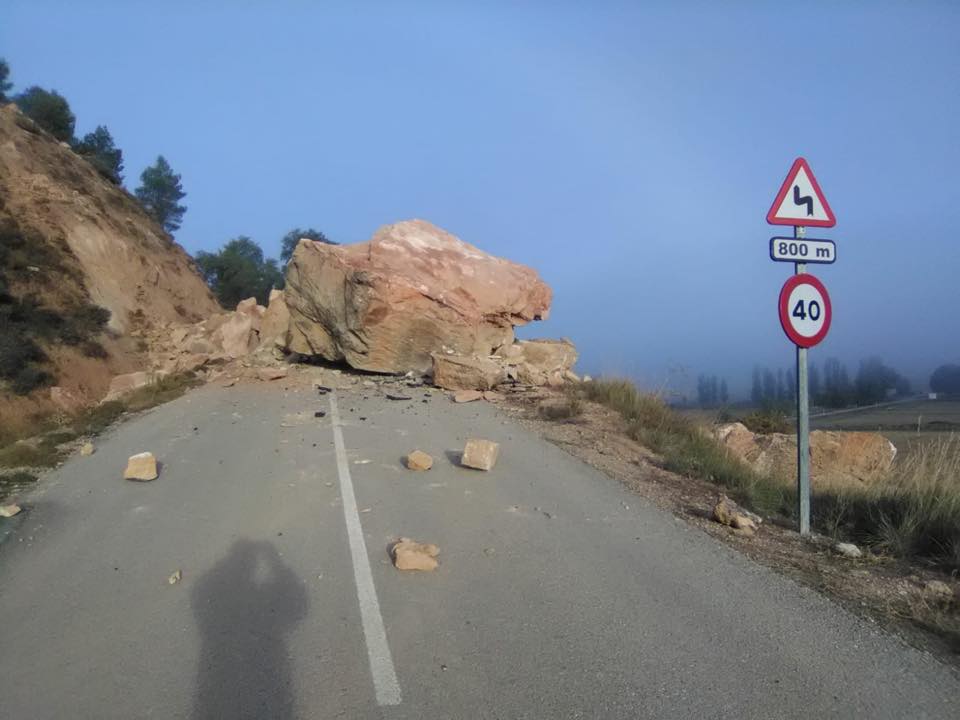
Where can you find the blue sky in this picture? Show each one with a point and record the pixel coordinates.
(628, 151)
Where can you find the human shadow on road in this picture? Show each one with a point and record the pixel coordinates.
(245, 606)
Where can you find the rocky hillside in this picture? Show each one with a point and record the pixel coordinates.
(83, 272)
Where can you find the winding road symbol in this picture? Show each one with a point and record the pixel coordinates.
(799, 199)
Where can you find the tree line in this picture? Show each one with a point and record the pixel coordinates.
(712, 391)
(830, 386)
(160, 189)
(238, 270)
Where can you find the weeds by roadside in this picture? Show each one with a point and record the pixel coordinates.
(50, 448)
(565, 409)
(684, 447)
(914, 513)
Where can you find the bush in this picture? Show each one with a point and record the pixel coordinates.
(49, 110)
(767, 421)
(913, 513)
(685, 447)
(29, 379)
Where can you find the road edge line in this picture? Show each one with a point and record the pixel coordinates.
(385, 682)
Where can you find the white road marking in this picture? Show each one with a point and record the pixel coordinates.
(381, 663)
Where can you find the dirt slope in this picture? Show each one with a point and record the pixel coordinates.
(69, 242)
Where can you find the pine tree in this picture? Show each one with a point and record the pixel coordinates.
(159, 194)
(98, 149)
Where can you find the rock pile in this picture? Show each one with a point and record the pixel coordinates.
(836, 458)
(527, 362)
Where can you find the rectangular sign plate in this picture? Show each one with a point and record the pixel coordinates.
(802, 250)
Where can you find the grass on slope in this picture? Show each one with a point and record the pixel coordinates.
(913, 513)
(50, 448)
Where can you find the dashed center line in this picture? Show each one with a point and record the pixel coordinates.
(385, 682)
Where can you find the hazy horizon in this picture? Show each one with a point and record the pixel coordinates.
(629, 154)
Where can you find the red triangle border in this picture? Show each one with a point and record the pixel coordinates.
(785, 188)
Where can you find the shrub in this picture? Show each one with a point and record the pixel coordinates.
(684, 446)
(766, 421)
(49, 110)
(29, 379)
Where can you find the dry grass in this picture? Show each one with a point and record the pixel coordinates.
(684, 446)
(50, 448)
(914, 513)
(564, 409)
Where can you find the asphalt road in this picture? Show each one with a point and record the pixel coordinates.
(560, 594)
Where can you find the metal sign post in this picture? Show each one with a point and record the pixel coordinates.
(803, 421)
(805, 309)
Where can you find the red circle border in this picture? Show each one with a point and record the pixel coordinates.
(788, 287)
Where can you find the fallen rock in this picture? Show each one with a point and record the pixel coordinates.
(250, 307)
(724, 511)
(836, 458)
(120, 385)
(386, 305)
(408, 554)
(848, 550)
(141, 467)
(459, 372)
(272, 373)
(87, 449)
(8, 511)
(938, 590)
(492, 396)
(480, 454)
(175, 578)
(465, 396)
(237, 335)
(742, 522)
(419, 460)
(275, 321)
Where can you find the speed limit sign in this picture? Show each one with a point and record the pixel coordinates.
(805, 311)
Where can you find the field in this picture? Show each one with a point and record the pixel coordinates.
(910, 426)
(928, 415)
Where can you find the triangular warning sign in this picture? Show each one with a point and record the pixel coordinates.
(800, 200)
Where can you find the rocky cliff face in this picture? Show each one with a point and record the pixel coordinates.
(73, 242)
(385, 305)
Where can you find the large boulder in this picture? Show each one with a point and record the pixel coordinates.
(385, 305)
(836, 458)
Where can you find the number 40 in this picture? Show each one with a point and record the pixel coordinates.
(812, 309)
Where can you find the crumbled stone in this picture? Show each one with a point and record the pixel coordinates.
(848, 550)
(272, 373)
(408, 554)
(141, 467)
(465, 396)
(419, 460)
(87, 449)
(480, 454)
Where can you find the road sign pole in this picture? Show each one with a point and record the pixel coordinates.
(803, 423)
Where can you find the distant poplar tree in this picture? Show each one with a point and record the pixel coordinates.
(5, 85)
